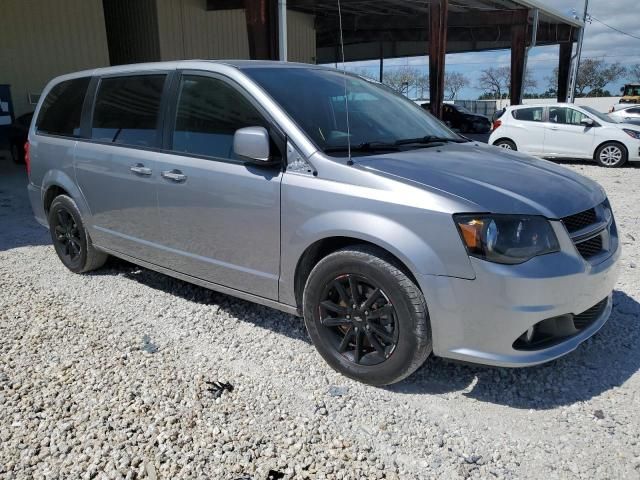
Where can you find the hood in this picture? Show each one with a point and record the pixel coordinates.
(491, 179)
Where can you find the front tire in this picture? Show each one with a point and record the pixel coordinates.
(70, 237)
(611, 155)
(366, 317)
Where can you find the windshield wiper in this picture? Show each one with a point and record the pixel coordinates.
(364, 147)
(429, 139)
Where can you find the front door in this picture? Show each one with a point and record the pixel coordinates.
(565, 136)
(117, 170)
(220, 216)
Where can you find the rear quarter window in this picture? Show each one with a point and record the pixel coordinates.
(533, 114)
(62, 108)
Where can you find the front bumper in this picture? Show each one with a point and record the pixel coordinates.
(479, 320)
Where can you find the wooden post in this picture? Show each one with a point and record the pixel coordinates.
(262, 28)
(518, 48)
(438, 10)
(564, 67)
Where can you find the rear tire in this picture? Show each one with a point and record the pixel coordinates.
(387, 336)
(506, 144)
(70, 237)
(611, 155)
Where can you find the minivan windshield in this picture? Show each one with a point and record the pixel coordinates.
(378, 118)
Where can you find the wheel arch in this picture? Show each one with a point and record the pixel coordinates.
(57, 182)
(328, 245)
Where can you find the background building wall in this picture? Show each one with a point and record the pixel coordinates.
(132, 31)
(187, 30)
(301, 37)
(42, 39)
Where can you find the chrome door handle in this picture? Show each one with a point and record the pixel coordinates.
(141, 170)
(174, 175)
(555, 128)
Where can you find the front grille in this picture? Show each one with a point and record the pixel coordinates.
(587, 317)
(590, 248)
(580, 220)
(597, 222)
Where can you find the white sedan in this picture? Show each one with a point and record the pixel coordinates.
(624, 113)
(567, 131)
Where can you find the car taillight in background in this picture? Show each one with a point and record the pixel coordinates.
(27, 159)
(496, 124)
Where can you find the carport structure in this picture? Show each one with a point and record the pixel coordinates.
(382, 29)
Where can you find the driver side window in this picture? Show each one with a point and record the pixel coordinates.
(565, 116)
(208, 115)
(574, 117)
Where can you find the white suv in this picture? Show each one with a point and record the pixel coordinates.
(567, 131)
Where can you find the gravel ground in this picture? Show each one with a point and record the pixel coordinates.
(107, 375)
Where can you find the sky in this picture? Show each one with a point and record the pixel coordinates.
(599, 42)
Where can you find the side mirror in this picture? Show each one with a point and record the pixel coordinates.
(252, 144)
(587, 122)
(621, 89)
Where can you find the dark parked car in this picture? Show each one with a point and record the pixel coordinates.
(463, 120)
(18, 132)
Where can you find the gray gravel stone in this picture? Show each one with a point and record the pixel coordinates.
(104, 376)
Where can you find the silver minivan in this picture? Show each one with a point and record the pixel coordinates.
(329, 196)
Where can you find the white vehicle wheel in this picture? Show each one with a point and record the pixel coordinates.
(506, 144)
(611, 155)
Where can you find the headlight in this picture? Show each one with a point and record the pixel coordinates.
(509, 239)
(632, 133)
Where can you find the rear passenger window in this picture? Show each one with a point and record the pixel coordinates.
(126, 110)
(533, 114)
(209, 113)
(61, 110)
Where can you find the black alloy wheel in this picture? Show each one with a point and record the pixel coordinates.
(366, 316)
(359, 320)
(70, 238)
(67, 236)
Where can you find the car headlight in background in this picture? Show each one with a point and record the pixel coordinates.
(508, 239)
(632, 133)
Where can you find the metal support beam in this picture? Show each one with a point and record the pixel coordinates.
(576, 62)
(438, 10)
(282, 30)
(262, 28)
(564, 67)
(518, 48)
(534, 40)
